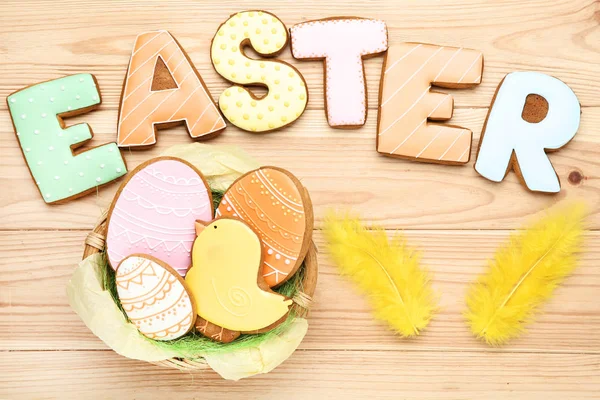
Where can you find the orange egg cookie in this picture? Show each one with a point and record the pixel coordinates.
(274, 204)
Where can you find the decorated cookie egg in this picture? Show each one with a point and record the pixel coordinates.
(277, 207)
(155, 210)
(154, 298)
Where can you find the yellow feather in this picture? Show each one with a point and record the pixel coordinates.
(386, 270)
(524, 274)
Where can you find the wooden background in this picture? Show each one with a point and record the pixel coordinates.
(455, 216)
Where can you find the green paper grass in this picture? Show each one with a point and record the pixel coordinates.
(193, 345)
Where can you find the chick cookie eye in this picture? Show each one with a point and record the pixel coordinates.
(215, 226)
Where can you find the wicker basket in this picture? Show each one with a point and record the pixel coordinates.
(302, 300)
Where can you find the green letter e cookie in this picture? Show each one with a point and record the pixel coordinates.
(37, 113)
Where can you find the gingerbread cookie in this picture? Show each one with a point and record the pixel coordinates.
(407, 102)
(155, 210)
(216, 332)
(274, 204)
(530, 113)
(287, 94)
(163, 89)
(37, 113)
(154, 298)
(225, 278)
(343, 44)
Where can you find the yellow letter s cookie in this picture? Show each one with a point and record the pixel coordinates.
(287, 95)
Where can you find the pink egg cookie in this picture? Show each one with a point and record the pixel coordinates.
(154, 213)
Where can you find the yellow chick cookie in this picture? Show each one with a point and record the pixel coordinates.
(224, 278)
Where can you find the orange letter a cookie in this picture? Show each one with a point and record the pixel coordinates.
(157, 59)
(406, 102)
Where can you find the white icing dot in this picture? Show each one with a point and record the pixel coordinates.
(13, 100)
(51, 148)
(66, 162)
(228, 208)
(36, 132)
(77, 97)
(69, 108)
(287, 262)
(62, 88)
(39, 163)
(94, 97)
(30, 100)
(44, 115)
(76, 138)
(110, 150)
(234, 214)
(47, 195)
(57, 177)
(101, 165)
(277, 256)
(27, 149)
(118, 169)
(98, 179)
(18, 134)
(70, 189)
(81, 174)
(270, 251)
(80, 79)
(23, 116)
(87, 157)
(37, 183)
(51, 99)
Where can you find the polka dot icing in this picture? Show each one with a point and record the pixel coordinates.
(47, 146)
(341, 43)
(287, 94)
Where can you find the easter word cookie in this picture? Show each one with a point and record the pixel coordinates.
(155, 298)
(343, 44)
(407, 103)
(37, 113)
(287, 94)
(516, 133)
(163, 89)
(155, 210)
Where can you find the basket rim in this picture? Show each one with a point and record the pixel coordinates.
(95, 243)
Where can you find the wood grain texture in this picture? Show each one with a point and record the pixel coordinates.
(453, 215)
(340, 168)
(309, 374)
(340, 318)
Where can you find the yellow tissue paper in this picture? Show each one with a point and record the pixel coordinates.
(261, 359)
(96, 308)
(220, 165)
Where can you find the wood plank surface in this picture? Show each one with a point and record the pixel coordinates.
(310, 374)
(340, 318)
(340, 168)
(454, 216)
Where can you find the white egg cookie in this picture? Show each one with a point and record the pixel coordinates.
(154, 298)
(287, 94)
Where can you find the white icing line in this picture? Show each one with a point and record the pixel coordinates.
(402, 58)
(432, 140)
(412, 76)
(447, 63)
(406, 112)
(452, 144)
(408, 137)
(471, 66)
(158, 33)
